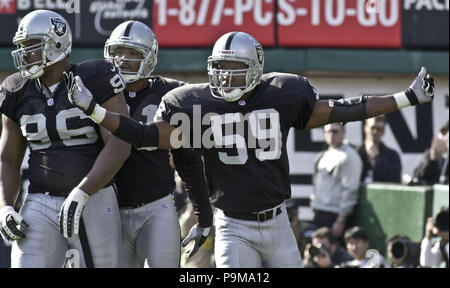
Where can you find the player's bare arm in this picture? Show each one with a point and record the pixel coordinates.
(12, 150)
(360, 108)
(107, 164)
(113, 154)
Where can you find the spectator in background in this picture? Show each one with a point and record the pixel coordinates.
(317, 256)
(336, 182)
(325, 237)
(434, 254)
(357, 242)
(380, 163)
(433, 168)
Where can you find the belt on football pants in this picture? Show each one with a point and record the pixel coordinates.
(255, 216)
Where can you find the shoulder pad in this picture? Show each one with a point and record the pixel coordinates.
(14, 83)
(173, 83)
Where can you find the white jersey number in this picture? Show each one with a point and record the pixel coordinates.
(268, 137)
(37, 134)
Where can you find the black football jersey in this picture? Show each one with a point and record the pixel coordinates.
(146, 175)
(244, 142)
(63, 141)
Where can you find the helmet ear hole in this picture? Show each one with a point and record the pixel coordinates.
(58, 45)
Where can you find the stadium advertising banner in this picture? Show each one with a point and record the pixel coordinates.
(201, 22)
(426, 24)
(275, 23)
(91, 21)
(340, 23)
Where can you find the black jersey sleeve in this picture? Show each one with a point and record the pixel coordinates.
(189, 166)
(304, 106)
(101, 78)
(9, 91)
(167, 108)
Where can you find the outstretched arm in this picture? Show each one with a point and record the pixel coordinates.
(156, 134)
(356, 109)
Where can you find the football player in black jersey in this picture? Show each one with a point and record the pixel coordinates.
(150, 225)
(71, 211)
(240, 122)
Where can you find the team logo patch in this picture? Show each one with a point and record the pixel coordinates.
(58, 26)
(259, 53)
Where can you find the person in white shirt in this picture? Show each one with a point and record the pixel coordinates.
(336, 182)
(434, 254)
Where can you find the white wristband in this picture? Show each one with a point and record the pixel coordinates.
(402, 100)
(99, 114)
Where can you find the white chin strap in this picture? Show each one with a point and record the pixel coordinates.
(131, 78)
(35, 71)
(233, 95)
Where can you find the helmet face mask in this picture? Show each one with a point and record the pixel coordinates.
(235, 47)
(118, 58)
(228, 83)
(55, 42)
(27, 69)
(138, 36)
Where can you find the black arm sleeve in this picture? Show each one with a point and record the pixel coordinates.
(189, 166)
(348, 110)
(137, 133)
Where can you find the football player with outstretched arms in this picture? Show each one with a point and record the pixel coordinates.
(247, 168)
(150, 225)
(71, 208)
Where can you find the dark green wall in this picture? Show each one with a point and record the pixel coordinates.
(289, 60)
(386, 210)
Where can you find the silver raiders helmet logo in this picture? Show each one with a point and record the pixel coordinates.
(59, 26)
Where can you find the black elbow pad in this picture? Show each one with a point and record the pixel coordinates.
(348, 110)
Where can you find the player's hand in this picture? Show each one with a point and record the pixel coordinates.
(78, 94)
(419, 92)
(10, 224)
(423, 87)
(70, 213)
(199, 235)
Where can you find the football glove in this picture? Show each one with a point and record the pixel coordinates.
(199, 235)
(80, 96)
(10, 224)
(70, 214)
(420, 91)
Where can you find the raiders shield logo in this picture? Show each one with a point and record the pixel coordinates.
(259, 53)
(58, 26)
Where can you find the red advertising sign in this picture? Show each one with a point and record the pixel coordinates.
(7, 6)
(340, 23)
(196, 23)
